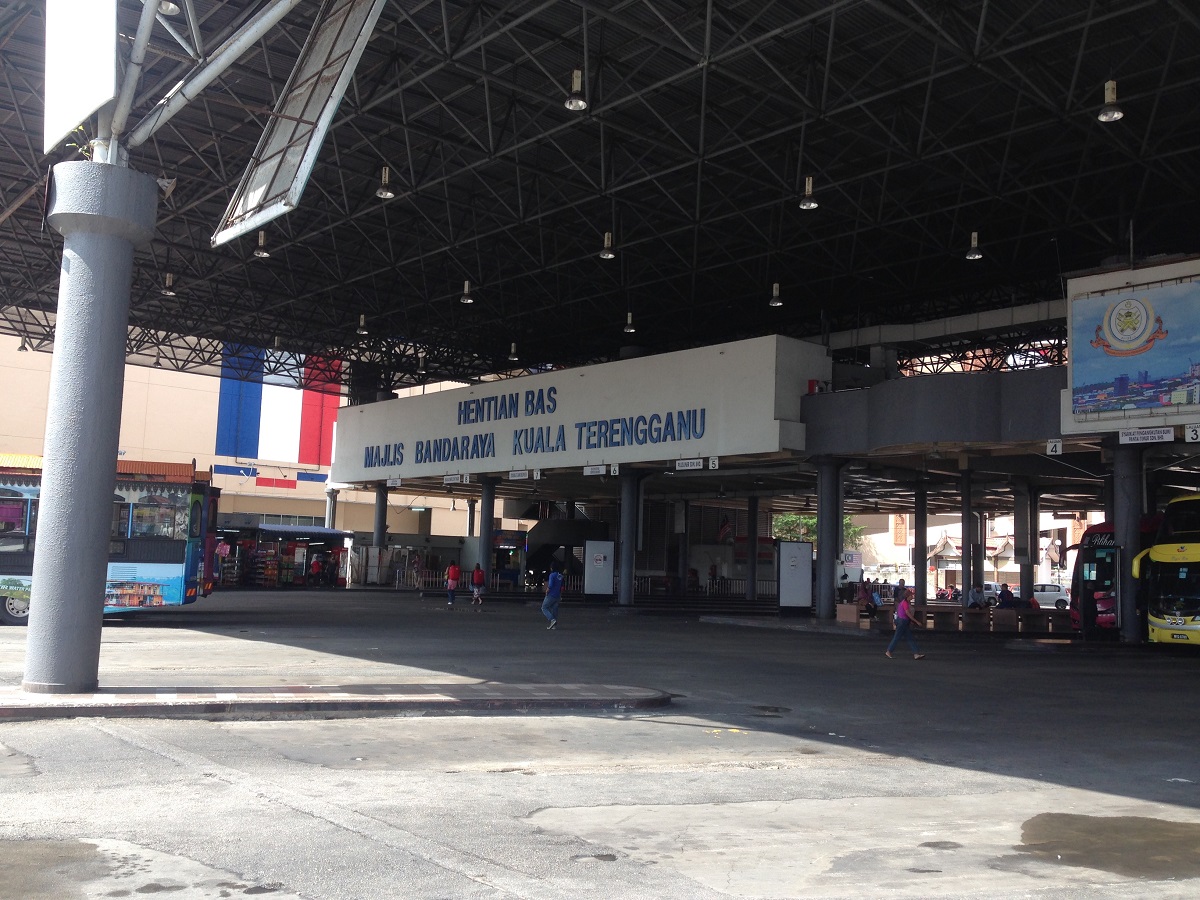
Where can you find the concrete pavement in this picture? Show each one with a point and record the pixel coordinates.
(790, 763)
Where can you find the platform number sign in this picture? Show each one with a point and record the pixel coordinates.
(1054, 447)
(1191, 433)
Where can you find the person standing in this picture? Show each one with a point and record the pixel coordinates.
(904, 626)
(477, 581)
(553, 597)
(452, 575)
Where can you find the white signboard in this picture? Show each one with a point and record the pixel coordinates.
(685, 465)
(519, 475)
(1054, 447)
(729, 399)
(394, 482)
(595, 470)
(1147, 435)
(81, 64)
(1191, 433)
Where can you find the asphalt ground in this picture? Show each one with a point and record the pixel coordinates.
(792, 762)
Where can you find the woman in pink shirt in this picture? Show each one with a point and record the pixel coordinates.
(904, 626)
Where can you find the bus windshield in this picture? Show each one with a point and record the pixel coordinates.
(1175, 588)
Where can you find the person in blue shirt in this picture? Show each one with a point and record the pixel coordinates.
(553, 597)
(1006, 598)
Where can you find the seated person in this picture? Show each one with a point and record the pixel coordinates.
(1006, 598)
(976, 599)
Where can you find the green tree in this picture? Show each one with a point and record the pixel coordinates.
(794, 527)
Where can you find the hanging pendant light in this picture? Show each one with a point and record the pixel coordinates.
(512, 352)
(808, 201)
(1110, 112)
(362, 324)
(261, 250)
(383, 192)
(168, 288)
(629, 329)
(775, 301)
(974, 252)
(575, 101)
(466, 294)
(606, 252)
(421, 363)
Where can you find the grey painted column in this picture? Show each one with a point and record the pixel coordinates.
(921, 543)
(681, 543)
(1021, 552)
(969, 537)
(379, 538)
(1029, 566)
(331, 495)
(979, 547)
(829, 514)
(1127, 509)
(627, 553)
(487, 518)
(751, 550)
(103, 212)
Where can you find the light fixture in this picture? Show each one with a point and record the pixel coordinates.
(168, 288)
(606, 252)
(466, 295)
(383, 192)
(808, 201)
(261, 250)
(167, 8)
(276, 342)
(575, 101)
(420, 363)
(775, 301)
(158, 362)
(512, 352)
(974, 252)
(24, 346)
(1110, 112)
(362, 324)
(629, 329)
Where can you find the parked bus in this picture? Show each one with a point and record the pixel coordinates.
(1170, 574)
(163, 530)
(1094, 579)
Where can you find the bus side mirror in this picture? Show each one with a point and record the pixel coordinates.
(1137, 563)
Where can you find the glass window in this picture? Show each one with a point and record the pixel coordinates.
(12, 516)
(120, 521)
(156, 521)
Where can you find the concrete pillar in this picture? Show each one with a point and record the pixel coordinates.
(379, 537)
(1020, 494)
(628, 538)
(979, 547)
(681, 543)
(920, 543)
(487, 518)
(331, 497)
(969, 535)
(752, 550)
(1127, 509)
(829, 515)
(471, 513)
(103, 212)
(1029, 563)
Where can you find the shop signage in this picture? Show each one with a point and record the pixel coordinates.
(1147, 435)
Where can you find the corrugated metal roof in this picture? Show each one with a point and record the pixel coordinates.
(127, 469)
(19, 461)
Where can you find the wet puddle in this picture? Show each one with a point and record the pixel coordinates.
(1133, 846)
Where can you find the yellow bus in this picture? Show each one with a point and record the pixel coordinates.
(1169, 573)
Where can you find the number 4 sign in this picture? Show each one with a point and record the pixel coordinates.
(1054, 447)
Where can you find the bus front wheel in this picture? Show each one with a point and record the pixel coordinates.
(14, 610)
